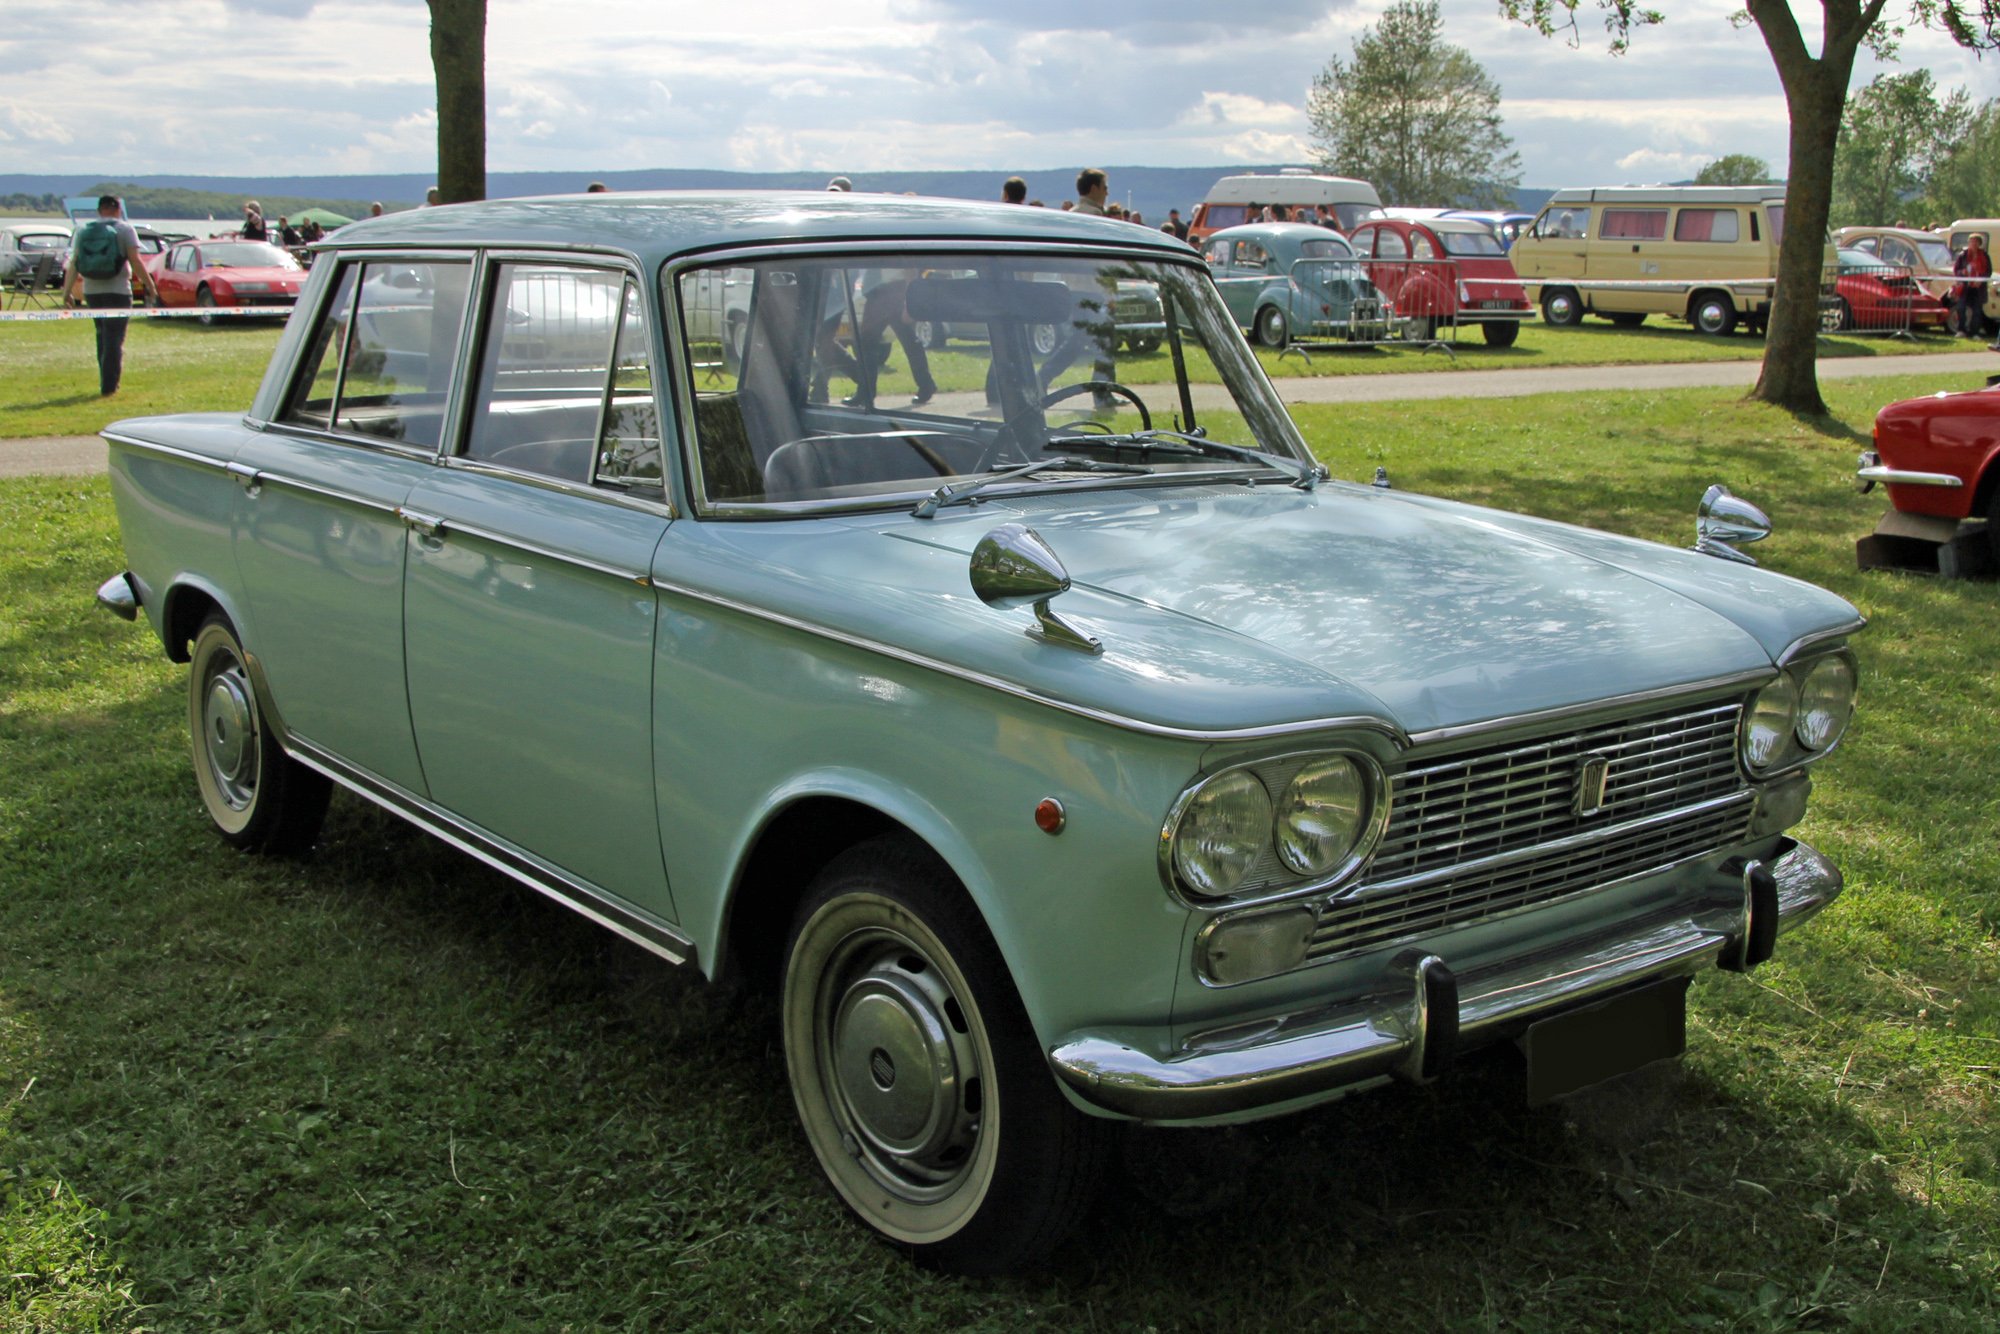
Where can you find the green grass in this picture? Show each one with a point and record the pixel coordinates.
(383, 1089)
(48, 371)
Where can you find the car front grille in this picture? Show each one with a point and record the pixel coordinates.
(1481, 833)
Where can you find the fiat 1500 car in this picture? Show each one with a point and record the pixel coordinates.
(1059, 751)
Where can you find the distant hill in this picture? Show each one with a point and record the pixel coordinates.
(1151, 190)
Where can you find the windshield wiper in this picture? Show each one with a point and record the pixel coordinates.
(949, 495)
(1305, 476)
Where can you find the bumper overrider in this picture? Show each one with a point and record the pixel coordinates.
(1423, 1011)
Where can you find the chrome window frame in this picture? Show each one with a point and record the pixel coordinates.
(669, 296)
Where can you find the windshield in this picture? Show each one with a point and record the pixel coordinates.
(1470, 243)
(246, 255)
(875, 380)
(42, 241)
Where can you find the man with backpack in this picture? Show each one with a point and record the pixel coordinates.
(103, 257)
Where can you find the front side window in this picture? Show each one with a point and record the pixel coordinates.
(872, 380)
(1634, 224)
(1217, 253)
(1706, 224)
(1936, 254)
(1563, 222)
(379, 364)
(1389, 244)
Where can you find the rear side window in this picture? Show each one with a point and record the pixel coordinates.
(1250, 255)
(542, 374)
(1634, 224)
(1706, 224)
(1470, 243)
(379, 364)
(1389, 245)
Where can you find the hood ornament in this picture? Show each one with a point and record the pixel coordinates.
(1013, 567)
(1723, 519)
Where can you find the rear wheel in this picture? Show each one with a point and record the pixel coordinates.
(261, 799)
(918, 1079)
(1273, 330)
(1993, 524)
(1501, 333)
(1562, 308)
(1143, 345)
(206, 300)
(1713, 313)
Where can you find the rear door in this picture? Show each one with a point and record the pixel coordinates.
(528, 607)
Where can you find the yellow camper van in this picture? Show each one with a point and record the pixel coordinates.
(1705, 254)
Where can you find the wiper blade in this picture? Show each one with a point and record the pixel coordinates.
(949, 495)
(1305, 476)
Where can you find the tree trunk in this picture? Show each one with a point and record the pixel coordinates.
(458, 55)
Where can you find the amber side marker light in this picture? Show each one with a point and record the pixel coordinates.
(1049, 816)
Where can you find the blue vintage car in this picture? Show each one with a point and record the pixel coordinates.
(1286, 280)
(1059, 751)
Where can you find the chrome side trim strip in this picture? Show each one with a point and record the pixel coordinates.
(1880, 473)
(168, 451)
(1238, 1069)
(1804, 642)
(1373, 724)
(586, 899)
(1690, 691)
(262, 478)
(450, 526)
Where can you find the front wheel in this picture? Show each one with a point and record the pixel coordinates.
(261, 799)
(916, 1073)
(1562, 309)
(1501, 333)
(206, 300)
(1273, 330)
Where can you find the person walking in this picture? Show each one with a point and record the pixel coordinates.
(1093, 187)
(1969, 302)
(104, 257)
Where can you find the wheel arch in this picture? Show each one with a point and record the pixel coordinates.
(188, 601)
(1988, 486)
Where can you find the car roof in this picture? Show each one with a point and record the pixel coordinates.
(1249, 230)
(656, 226)
(34, 229)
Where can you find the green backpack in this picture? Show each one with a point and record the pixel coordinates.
(96, 251)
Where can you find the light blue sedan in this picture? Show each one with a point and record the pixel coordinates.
(1058, 751)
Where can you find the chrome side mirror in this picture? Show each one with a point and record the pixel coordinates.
(1013, 567)
(1722, 519)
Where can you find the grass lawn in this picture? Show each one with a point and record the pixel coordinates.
(48, 373)
(383, 1089)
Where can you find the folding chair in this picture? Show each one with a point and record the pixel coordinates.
(35, 292)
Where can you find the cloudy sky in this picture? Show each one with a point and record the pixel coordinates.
(122, 87)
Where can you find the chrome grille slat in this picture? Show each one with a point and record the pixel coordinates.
(1487, 832)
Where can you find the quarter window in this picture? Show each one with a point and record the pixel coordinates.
(380, 362)
(1420, 247)
(1706, 224)
(1634, 224)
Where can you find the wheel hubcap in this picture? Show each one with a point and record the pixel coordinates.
(1559, 307)
(229, 731)
(902, 1067)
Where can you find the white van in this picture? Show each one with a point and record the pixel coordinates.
(1230, 200)
(1706, 254)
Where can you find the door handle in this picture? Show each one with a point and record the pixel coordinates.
(246, 476)
(424, 525)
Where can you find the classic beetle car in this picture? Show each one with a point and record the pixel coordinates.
(1939, 458)
(1065, 751)
(1287, 279)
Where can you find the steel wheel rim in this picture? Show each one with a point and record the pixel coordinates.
(229, 732)
(918, 1168)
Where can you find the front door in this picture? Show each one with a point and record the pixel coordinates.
(323, 545)
(528, 607)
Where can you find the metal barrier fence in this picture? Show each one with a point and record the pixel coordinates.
(1880, 299)
(1356, 303)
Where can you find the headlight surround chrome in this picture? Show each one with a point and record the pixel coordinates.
(1826, 703)
(1221, 833)
(1332, 807)
(1323, 815)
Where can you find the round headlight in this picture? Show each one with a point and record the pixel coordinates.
(1772, 714)
(1826, 702)
(1322, 814)
(1222, 832)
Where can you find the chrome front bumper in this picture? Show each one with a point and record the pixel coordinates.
(1229, 1071)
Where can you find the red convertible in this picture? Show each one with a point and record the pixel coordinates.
(1939, 457)
(1444, 271)
(228, 273)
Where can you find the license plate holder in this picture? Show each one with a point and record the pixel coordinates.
(1598, 1042)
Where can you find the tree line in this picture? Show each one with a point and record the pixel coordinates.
(1908, 153)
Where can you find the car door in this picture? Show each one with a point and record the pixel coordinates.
(1243, 280)
(321, 548)
(173, 279)
(528, 608)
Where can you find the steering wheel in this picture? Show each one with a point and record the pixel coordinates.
(1056, 396)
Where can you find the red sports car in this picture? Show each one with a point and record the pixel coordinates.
(1940, 459)
(1444, 271)
(228, 272)
(1871, 295)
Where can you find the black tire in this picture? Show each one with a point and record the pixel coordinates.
(1273, 329)
(1143, 345)
(1714, 314)
(260, 799)
(1424, 328)
(1562, 307)
(205, 299)
(1501, 333)
(1627, 319)
(1842, 315)
(1993, 523)
(980, 1167)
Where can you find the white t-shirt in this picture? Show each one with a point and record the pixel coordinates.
(120, 281)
